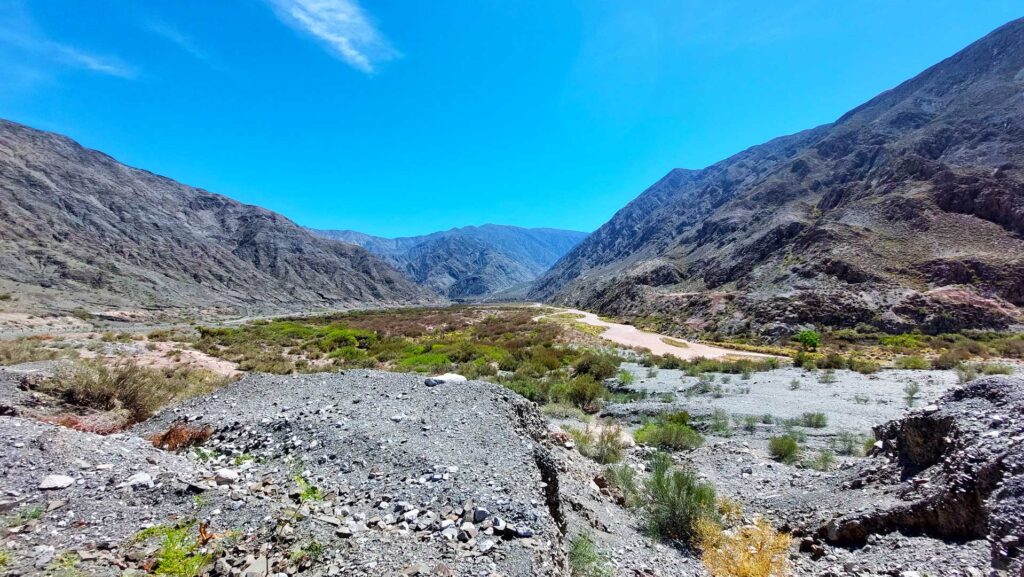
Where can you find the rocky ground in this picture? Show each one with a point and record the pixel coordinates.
(365, 473)
(375, 473)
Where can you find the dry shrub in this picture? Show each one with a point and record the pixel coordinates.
(126, 386)
(98, 423)
(181, 435)
(754, 550)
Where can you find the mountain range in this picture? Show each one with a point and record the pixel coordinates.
(80, 230)
(471, 262)
(905, 213)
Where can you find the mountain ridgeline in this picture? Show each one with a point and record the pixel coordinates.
(79, 229)
(472, 262)
(906, 213)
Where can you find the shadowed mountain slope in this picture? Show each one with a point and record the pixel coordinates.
(78, 228)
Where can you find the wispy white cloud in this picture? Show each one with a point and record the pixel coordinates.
(77, 58)
(178, 38)
(19, 33)
(343, 26)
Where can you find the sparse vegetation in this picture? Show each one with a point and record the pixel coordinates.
(720, 423)
(912, 363)
(822, 461)
(307, 491)
(27, 351)
(624, 479)
(828, 376)
(847, 443)
(586, 560)
(784, 448)
(602, 443)
(911, 392)
(179, 554)
(126, 387)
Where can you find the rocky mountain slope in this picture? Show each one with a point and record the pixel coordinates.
(77, 228)
(906, 212)
(470, 262)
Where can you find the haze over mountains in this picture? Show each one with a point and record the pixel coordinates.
(79, 229)
(471, 262)
(906, 212)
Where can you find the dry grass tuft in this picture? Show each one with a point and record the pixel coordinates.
(754, 550)
(181, 435)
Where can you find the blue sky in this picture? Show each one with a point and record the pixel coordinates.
(400, 117)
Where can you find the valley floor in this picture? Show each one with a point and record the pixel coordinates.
(332, 469)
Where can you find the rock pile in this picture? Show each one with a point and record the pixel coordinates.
(301, 474)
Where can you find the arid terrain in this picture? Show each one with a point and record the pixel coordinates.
(324, 446)
(804, 360)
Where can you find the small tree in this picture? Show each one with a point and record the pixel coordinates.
(809, 339)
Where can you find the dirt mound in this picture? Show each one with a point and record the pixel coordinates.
(357, 473)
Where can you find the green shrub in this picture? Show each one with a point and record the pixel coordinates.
(847, 443)
(833, 361)
(784, 448)
(668, 435)
(808, 339)
(750, 423)
(966, 373)
(586, 393)
(828, 376)
(674, 499)
(812, 420)
(625, 377)
(600, 367)
(912, 363)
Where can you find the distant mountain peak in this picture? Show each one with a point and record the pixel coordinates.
(469, 262)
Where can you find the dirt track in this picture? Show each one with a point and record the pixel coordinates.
(630, 336)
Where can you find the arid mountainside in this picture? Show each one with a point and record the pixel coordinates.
(79, 229)
(907, 212)
(470, 262)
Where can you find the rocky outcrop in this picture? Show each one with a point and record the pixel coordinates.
(79, 229)
(954, 471)
(919, 190)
